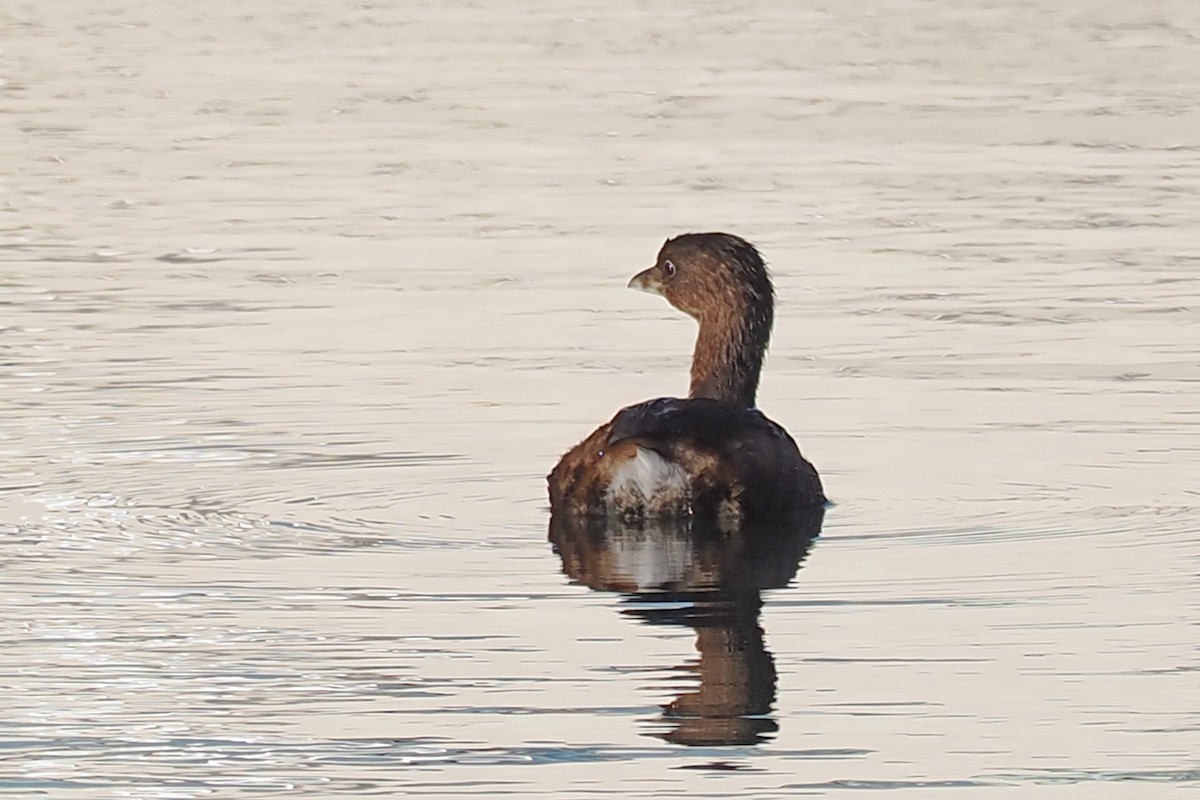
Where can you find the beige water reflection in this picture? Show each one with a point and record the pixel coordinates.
(298, 304)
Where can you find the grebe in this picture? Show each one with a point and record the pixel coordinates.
(712, 454)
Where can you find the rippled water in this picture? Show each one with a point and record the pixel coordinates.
(299, 302)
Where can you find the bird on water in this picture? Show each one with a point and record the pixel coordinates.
(712, 454)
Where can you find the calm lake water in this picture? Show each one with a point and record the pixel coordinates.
(300, 301)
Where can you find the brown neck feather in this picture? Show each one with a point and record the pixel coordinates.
(729, 353)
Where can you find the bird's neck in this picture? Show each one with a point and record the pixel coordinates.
(729, 354)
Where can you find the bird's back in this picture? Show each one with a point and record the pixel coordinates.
(674, 457)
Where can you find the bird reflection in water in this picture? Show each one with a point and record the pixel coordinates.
(684, 573)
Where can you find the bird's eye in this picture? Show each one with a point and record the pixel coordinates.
(668, 269)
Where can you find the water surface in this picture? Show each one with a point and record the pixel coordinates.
(299, 303)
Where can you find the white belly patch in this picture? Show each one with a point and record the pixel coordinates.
(649, 484)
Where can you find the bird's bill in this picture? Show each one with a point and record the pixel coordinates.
(648, 280)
